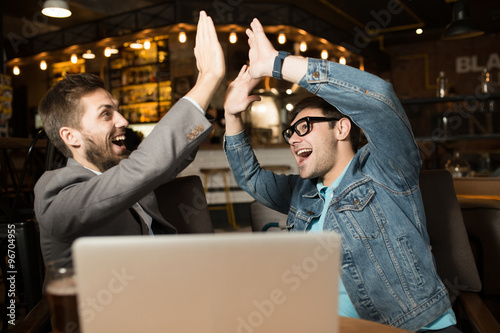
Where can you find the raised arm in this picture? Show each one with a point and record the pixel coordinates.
(209, 60)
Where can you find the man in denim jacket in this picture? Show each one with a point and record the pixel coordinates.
(370, 197)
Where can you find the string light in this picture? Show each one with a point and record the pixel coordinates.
(324, 54)
(182, 36)
(303, 47)
(282, 38)
(74, 58)
(16, 70)
(43, 65)
(233, 38)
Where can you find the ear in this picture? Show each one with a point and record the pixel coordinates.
(70, 136)
(343, 129)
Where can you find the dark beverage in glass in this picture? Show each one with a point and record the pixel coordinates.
(61, 293)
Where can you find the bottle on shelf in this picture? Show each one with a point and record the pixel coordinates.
(441, 85)
(457, 166)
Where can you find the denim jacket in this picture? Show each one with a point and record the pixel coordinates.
(387, 266)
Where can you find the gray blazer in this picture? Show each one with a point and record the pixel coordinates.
(73, 201)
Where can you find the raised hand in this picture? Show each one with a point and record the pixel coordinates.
(208, 51)
(238, 96)
(262, 52)
(209, 60)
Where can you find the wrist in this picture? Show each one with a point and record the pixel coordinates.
(278, 64)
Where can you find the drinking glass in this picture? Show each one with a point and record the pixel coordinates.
(60, 289)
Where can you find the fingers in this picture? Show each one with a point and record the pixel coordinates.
(242, 71)
(256, 26)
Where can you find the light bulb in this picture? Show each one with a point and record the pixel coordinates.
(342, 61)
(136, 45)
(147, 45)
(182, 36)
(107, 52)
(303, 47)
(324, 54)
(88, 55)
(74, 58)
(16, 70)
(282, 38)
(43, 65)
(233, 38)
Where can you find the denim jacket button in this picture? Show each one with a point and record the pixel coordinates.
(315, 74)
(356, 202)
(309, 212)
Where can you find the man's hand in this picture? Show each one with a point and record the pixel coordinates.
(262, 52)
(238, 96)
(207, 50)
(209, 60)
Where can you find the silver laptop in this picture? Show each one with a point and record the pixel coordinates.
(224, 283)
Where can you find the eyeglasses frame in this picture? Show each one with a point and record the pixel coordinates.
(309, 121)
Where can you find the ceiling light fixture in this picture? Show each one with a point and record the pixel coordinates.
(282, 38)
(136, 45)
(56, 8)
(233, 38)
(324, 54)
(182, 36)
(303, 47)
(461, 25)
(88, 55)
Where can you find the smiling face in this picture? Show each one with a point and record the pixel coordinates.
(102, 131)
(315, 152)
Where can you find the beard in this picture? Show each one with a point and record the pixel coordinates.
(102, 156)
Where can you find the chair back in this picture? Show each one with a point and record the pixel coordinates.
(183, 204)
(448, 236)
(266, 219)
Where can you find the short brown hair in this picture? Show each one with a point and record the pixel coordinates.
(328, 110)
(61, 106)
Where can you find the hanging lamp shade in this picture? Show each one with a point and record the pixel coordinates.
(461, 26)
(56, 8)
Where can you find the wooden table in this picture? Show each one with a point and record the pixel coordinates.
(352, 325)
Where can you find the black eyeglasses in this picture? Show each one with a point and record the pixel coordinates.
(303, 126)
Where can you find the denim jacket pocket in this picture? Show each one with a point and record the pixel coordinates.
(361, 212)
(413, 274)
(297, 220)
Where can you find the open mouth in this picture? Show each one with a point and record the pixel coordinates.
(303, 154)
(119, 140)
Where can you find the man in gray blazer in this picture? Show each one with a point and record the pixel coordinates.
(104, 189)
